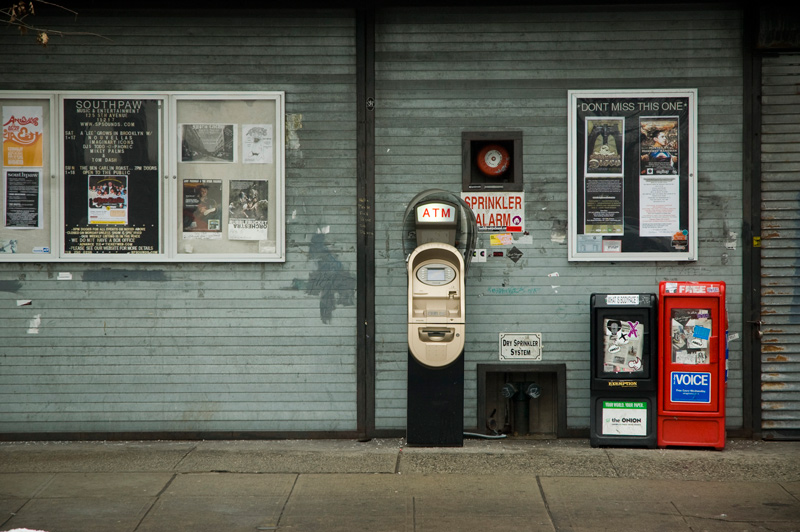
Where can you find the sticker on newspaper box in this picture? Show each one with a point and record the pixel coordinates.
(622, 299)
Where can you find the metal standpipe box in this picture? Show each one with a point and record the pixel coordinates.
(691, 352)
(623, 370)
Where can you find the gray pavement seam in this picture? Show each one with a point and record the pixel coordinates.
(413, 514)
(186, 455)
(788, 491)
(611, 462)
(683, 517)
(286, 502)
(544, 501)
(155, 501)
(44, 486)
(12, 515)
(33, 496)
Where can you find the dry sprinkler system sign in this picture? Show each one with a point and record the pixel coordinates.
(520, 346)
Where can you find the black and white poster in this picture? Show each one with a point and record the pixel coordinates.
(257, 146)
(208, 143)
(248, 210)
(23, 199)
(112, 199)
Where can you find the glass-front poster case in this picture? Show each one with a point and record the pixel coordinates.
(112, 167)
(26, 175)
(229, 177)
(104, 176)
(633, 175)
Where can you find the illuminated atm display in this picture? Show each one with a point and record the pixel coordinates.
(436, 274)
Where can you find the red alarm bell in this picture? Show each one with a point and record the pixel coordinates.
(493, 160)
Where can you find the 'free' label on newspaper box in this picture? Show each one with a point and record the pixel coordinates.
(690, 387)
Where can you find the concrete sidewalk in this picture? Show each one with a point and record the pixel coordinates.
(382, 485)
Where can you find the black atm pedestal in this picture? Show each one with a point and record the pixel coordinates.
(435, 404)
(624, 358)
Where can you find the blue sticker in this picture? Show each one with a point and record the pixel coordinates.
(703, 333)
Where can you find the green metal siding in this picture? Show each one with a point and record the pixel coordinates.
(198, 347)
(440, 72)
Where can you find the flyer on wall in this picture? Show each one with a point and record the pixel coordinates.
(23, 199)
(23, 136)
(257, 144)
(208, 143)
(622, 346)
(108, 199)
(248, 210)
(202, 212)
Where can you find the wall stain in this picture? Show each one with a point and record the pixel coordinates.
(329, 281)
(558, 232)
(10, 286)
(294, 122)
(108, 275)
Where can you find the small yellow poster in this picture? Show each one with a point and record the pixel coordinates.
(23, 136)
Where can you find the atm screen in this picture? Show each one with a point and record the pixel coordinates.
(436, 274)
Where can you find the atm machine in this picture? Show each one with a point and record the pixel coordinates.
(441, 229)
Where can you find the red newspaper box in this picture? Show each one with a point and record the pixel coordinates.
(692, 349)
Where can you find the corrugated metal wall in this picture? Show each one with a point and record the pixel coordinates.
(780, 232)
(198, 347)
(271, 347)
(441, 72)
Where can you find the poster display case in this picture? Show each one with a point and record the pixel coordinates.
(633, 175)
(111, 193)
(229, 198)
(142, 176)
(28, 177)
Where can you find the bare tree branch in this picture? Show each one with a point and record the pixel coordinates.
(18, 12)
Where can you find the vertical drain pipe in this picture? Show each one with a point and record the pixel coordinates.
(521, 394)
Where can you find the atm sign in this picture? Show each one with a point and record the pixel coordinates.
(690, 387)
(436, 212)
